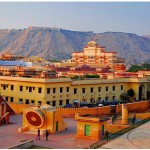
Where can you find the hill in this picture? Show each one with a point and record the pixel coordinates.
(56, 43)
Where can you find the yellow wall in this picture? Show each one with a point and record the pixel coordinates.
(142, 106)
(113, 128)
(45, 97)
(142, 116)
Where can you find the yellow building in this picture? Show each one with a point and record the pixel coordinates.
(61, 91)
(88, 127)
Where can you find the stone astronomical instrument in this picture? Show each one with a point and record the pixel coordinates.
(35, 118)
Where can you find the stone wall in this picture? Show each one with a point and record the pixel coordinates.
(142, 106)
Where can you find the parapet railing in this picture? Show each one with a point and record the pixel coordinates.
(117, 134)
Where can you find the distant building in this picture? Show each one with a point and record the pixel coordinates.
(95, 56)
(11, 57)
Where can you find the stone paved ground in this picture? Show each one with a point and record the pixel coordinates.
(9, 136)
(138, 138)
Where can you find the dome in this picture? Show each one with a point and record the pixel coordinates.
(92, 43)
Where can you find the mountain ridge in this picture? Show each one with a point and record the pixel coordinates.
(57, 43)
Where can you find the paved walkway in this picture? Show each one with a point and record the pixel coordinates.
(9, 136)
(138, 138)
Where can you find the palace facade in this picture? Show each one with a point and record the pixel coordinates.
(95, 56)
(61, 91)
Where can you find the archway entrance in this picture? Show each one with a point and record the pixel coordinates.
(3, 108)
(141, 92)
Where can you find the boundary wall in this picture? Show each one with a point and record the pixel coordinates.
(135, 107)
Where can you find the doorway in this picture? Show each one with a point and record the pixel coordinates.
(141, 92)
(87, 130)
(56, 125)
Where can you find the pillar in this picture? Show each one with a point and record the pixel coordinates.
(124, 114)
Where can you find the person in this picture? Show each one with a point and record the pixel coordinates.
(134, 118)
(47, 135)
(106, 135)
(38, 134)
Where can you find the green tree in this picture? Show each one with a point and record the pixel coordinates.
(130, 93)
(91, 76)
(135, 68)
(75, 77)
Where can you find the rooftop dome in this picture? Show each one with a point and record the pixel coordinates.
(92, 43)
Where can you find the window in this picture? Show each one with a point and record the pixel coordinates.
(60, 102)
(61, 90)
(92, 100)
(53, 103)
(75, 91)
(21, 88)
(4, 87)
(92, 90)
(11, 99)
(48, 90)
(113, 98)
(67, 89)
(40, 90)
(54, 90)
(121, 87)
(27, 101)
(30, 89)
(12, 87)
(21, 101)
(39, 103)
(83, 90)
(6, 98)
(99, 98)
(32, 101)
(99, 89)
(48, 102)
(106, 88)
(67, 101)
(113, 88)
(106, 98)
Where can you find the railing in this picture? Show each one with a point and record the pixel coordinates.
(119, 133)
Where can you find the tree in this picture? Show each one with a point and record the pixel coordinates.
(135, 68)
(130, 93)
(91, 76)
(124, 97)
(75, 77)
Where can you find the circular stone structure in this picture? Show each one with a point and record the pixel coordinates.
(35, 118)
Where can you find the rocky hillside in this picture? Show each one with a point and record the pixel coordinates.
(55, 43)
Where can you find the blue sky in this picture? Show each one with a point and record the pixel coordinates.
(131, 17)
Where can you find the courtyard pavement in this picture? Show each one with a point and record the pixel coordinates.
(138, 138)
(9, 136)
